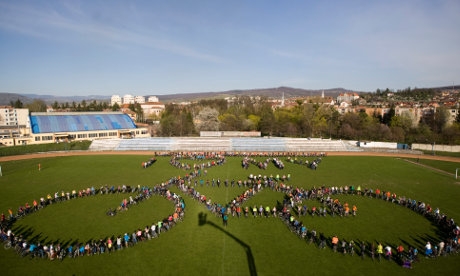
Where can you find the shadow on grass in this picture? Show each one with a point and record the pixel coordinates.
(202, 220)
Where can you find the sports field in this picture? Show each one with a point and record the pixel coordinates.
(201, 244)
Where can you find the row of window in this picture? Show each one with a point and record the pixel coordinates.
(82, 135)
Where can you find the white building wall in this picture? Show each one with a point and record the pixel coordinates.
(128, 99)
(116, 99)
(10, 116)
(139, 99)
(153, 99)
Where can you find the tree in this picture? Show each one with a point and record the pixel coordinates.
(55, 105)
(137, 108)
(306, 120)
(404, 121)
(167, 125)
(230, 122)
(436, 119)
(388, 116)
(17, 104)
(267, 120)
(207, 119)
(176, 121)
(218, 104)
(37, 106)
(254, 122)
(115, 107)
(451, 134)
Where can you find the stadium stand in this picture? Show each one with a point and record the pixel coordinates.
(273, 144)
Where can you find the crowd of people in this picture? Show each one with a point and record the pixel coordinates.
(179, 160)
(323, 200)
(247, 160)
(294, 208)
(311, 164)
(149, 162)
(59, 250)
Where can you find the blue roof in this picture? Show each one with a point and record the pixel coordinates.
(83, 122)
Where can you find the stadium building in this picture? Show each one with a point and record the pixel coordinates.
(55, 127)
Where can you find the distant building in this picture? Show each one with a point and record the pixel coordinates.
(14, 124)
(10, 116)
(18, 128)
(347, 97)
(116, 99)
(128, 99)
(139, 99)
(152, 108)
(152, 99)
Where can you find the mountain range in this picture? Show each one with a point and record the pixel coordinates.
(289, 92)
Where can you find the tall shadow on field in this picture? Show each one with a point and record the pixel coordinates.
(251, 264)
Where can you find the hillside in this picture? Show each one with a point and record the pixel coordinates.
(263, 92)
(6, 98)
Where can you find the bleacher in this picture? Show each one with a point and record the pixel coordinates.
(148, 144)
(258, 144)
(105, 144)
(235, 144)
(314, 145)
(201, 144)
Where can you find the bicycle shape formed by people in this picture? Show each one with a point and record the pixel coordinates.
(290, 211)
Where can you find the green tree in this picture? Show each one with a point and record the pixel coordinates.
(388, 116)
(404, 121)
(115, 107)
(267, 120)
(451, 134)
(230, 122)
(55, 105)
(176, 121)
(17, 104)
(37, 106)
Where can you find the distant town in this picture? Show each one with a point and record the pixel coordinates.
(404, 116)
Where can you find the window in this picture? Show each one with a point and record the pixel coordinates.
(37, 138)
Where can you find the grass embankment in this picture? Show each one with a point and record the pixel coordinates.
(26, 149)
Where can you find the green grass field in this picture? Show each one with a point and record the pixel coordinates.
(247, 246)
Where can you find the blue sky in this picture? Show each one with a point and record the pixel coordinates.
(167, 47)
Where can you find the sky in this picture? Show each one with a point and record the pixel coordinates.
(97, 47)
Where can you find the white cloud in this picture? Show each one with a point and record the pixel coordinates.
(64, 22)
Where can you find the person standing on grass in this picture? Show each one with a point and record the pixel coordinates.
(380, 250)
(428, 249)
(388, 252)
(335, 241)
(400, 250)
(225, 220)
(39, 167)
